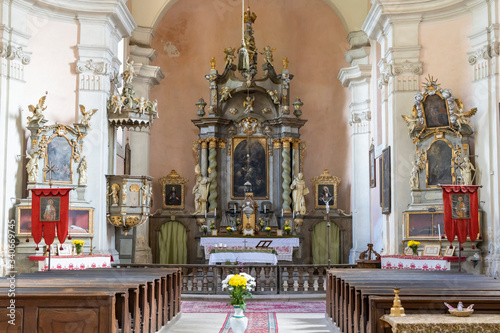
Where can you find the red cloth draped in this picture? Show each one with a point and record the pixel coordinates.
(47, 229)
(461, 227)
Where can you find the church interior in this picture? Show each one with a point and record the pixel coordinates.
(335, 150)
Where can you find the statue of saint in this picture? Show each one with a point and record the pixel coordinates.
(82, 170)
(414, 176)
(32, 167)
(467, 168)
(299, 191)
(200, 191)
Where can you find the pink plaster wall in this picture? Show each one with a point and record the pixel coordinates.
(309, 33)
(444, 55)
(52, 69)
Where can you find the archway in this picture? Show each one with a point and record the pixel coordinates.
(172, 243)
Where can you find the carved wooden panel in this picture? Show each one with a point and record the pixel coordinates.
(81, 320)
(4, 321)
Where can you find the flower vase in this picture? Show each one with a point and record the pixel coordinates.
(414, 249)
(78, 250)
(238, 320)
(268, 233)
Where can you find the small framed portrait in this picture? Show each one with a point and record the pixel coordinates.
(173, 191)
(66, 250)
(214, 232)
(408, 251)
(373, 168)
(450, 251)
(279, 232)
(50, 209)
(385, 181)
(432, 250)
(325, 186)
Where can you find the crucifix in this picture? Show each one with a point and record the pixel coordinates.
(245, 244)
(50, 169)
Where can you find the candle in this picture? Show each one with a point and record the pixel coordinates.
(216, 245)
(264, 209)
(205, 213)
(281, 212)
(439, 231)
(234, 208)
(293, 214)
(215, 212)
(403, 232)
(220, 244)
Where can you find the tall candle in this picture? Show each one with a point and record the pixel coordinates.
(403, 231)
(439, 231)
(205, 213)
(234, 208)
(264, 209)
(281, 212)
(215, 212)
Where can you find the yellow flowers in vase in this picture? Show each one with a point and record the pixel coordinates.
(413, 245)
(78, 246)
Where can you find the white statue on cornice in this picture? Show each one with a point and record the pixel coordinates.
(129, 73)
(414, 176)
(82, 170)
(37, 111)
(299, 191)
(467, 168)
(200, 191)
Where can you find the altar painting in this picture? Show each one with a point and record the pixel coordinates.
(59, 152)
(80, 221)
(439, 160)
(436, 112)
(249, 163)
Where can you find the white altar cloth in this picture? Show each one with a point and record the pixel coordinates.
(72, 262)
(283, 246)
(245, 257)
(426, 263)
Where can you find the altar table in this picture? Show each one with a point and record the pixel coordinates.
(283, 245)
(72, 262)
(245, 256)
(442, 323)
(426, 263)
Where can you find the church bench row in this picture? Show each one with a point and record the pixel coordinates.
(131, 300)
(349, 292)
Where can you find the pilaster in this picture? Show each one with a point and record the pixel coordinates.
(357, 79)
(485, 61)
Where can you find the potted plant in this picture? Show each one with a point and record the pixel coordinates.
(268, 230)
(239, 287)
(287, 227)
(230, 230)
(204, 229)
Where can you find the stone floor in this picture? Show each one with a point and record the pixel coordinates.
(287, 322)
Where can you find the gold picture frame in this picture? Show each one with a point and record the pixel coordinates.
(214, 232)
(429, 153)
(450, 251)
(80, 221)
(244, 150)
(433, 250)
(173, 191)
(279, 233)
(325, 190)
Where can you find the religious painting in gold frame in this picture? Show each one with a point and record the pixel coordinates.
(249, 162)
(435, 111)
(440, 157)
(173, 191)
(325, 186)
(60, 156)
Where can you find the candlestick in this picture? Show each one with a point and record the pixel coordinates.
(234, 209)
(403, 232)
(439, 231)
(205, 213)
(215, 212)
(264, 209)
(281, 212)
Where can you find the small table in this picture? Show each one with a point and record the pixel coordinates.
(443, 323)
(72, 262)
(265, 256)
(426, 263)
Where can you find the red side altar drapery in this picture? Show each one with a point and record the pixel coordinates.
(49, 208)
(461, 212)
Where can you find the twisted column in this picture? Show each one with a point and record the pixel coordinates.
(212, 164)
(203, 160)
(285, 153)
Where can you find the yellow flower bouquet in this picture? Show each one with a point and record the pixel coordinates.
(239, 287)
(78, 245)
(413, 245)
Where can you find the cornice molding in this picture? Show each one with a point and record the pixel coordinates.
(349, 75)
(11, 52)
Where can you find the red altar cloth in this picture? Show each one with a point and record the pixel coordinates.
(460, 212)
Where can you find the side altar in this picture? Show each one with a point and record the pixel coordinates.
(249, 159)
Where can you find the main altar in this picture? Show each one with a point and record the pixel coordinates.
(249, 179)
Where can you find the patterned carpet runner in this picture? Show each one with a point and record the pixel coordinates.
(258, 322)
(255, 307)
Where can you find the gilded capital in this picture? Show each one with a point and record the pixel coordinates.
(212, 142)
(277, 143)
(203, 143)
(222, 143)
(286, 142)
(296, 143)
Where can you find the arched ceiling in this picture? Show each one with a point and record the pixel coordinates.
(351, 12)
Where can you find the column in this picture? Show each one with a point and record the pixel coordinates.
(397, 33)
(296, 157)
(485, 63)
(357, 79)
(14, 59)
(139, 140)
(285, 174)
(204, 157)
(212, 164)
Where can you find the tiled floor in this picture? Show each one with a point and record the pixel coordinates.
(287, 323)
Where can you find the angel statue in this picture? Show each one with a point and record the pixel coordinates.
(411, 122)
(225, 94)
(248, 104)
(274, 96)
(463, 117)
(86, 115)
(268, 54)
(129, 73)
(37, 111)
(32, 167)
(142, 102)
(116, 103)
(229, 55)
